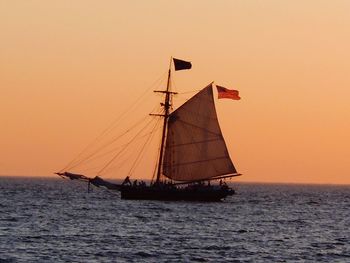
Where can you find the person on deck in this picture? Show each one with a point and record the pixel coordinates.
(127, 181)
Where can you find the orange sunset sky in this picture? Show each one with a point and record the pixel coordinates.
(69, 68)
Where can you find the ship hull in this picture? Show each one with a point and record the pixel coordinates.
(175, 194)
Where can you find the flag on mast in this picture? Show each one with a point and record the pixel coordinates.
(224, 93)
(181, 64)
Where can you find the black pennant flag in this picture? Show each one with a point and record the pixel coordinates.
(181, 64)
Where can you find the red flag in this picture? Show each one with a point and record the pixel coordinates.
(224, 93)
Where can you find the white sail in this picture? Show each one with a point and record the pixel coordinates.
(195, 148)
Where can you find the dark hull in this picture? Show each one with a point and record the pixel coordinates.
(175, 194)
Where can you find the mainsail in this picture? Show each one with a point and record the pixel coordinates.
(195, 148)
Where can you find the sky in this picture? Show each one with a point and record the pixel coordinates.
(69, 68)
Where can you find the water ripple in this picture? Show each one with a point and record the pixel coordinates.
(57, 221)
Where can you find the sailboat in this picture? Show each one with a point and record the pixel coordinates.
(192, 153)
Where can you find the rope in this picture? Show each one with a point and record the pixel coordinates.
(143, 147)
(115, 156)
(107, 153)
(105, 145)
(192, 91)
(156, 162)
(112, 125)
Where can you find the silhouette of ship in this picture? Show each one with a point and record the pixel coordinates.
(193, 153)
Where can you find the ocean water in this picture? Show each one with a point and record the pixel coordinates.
(56, 220)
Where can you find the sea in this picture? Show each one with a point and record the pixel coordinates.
(56, 220)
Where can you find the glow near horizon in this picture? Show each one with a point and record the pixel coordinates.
(68, 69)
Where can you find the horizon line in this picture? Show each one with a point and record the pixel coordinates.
(240, 181)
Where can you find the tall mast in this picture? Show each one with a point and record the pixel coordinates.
(166, 106)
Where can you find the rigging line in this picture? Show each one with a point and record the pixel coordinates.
(90, 157)
(198, 127)
(197, 161)
(118, 166)
(122, 163)
(190, 135)
(156, 162)
(115, 156)
(163, 76)
(194, 142)
(122, 150)
(118, 163)
(192, 91)
(78, 162)
(89, 169)
(131, 155)
(144, 146)
(111, 126)
(111, 141)
(112, 150)
(186, 129)
(183, 99)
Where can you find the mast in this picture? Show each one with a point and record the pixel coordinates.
(166, 106)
